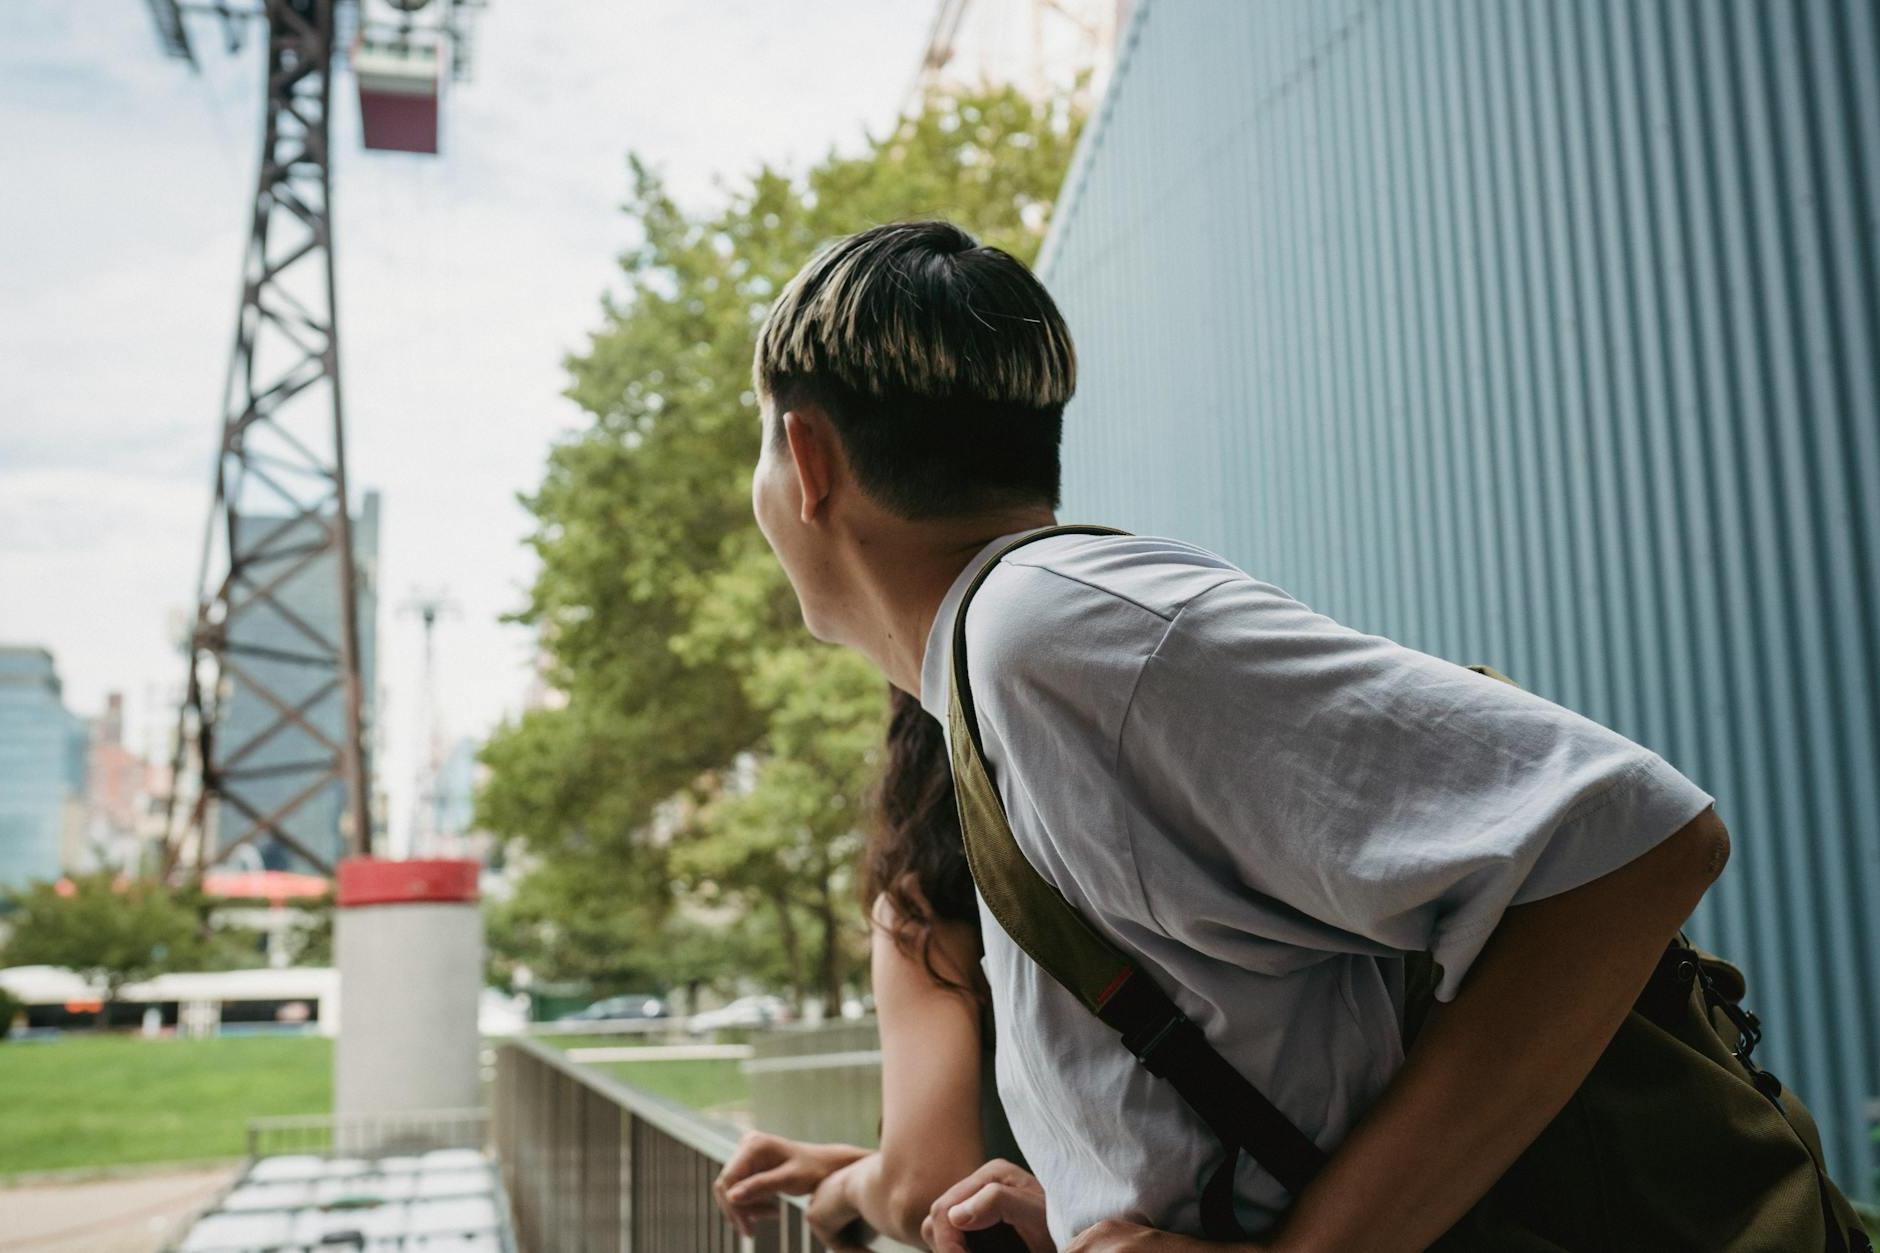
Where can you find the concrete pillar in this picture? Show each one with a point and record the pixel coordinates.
(408, 941)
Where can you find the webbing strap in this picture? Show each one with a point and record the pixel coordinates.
(1171, 1046)
(1055, 936)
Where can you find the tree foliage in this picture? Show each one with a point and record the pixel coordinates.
(112, 931)
(711, 756)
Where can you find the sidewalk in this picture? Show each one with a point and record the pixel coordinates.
(133, 1214)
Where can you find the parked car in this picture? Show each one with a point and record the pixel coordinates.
(746, 1011)
(632, 1007)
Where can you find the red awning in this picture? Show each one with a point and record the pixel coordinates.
(275, 886)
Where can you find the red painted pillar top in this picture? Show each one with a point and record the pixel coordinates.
(377, 881)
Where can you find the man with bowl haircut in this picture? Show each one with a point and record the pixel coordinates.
(1264, 809)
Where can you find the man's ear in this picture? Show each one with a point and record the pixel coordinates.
(813, 456)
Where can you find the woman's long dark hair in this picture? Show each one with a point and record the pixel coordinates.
(915, 856)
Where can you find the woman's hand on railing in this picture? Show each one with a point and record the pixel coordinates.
(765, 1167)
(997, 1192)
(833, 1213)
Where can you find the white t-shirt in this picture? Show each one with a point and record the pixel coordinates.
(1263, 808)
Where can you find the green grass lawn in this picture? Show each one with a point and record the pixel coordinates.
(703, 1085)
(116, 1100)
(111, 1100)
(707, 1084)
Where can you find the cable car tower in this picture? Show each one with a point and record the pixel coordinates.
(271, 748)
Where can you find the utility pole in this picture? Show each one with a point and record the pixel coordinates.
(426, 826)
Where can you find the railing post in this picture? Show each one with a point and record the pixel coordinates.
(567, 1188)
(636, 1184)
(627, 1160)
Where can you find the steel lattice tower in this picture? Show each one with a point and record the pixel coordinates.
(279, 521)
(272, 745)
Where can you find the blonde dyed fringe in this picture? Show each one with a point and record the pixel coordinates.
(836, 317)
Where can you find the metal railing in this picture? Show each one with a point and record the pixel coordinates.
(818, 1082)
(674, 1027)
(378, 1134)
(591, 1163)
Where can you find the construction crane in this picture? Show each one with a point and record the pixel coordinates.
(1068, 47)
(271, 749)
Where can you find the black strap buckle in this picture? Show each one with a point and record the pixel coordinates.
(1748, 1036)
(1153, 1044)
(1748, 1027)
(1149, 1022)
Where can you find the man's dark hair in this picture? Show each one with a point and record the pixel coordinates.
(943, 365)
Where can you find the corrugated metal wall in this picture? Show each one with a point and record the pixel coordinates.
(1541, 334)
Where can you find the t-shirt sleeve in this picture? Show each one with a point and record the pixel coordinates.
(1334, 790)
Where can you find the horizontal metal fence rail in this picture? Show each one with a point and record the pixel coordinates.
(820, 1082)
(591, 1163)
(411, 1131)
(674, 1027)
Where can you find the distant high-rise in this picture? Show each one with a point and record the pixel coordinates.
(270, 645)
(119, 786)
(42, 767)
(459, 774)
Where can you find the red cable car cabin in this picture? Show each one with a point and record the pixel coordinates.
(398, 90)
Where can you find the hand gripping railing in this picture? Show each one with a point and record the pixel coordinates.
(591, 1163)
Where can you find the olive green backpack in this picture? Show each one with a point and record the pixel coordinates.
(1678, 1140)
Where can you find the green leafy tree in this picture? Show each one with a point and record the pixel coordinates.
(311, 942)
(710, 754)
(109, 930)
(569, 923)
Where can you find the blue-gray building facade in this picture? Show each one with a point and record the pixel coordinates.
(1542, 335)
(43, 749)
(281, 766)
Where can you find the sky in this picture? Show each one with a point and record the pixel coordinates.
(125, 183)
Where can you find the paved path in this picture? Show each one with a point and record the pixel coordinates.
(134, 1214)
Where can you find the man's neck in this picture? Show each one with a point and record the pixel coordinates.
(903, 572)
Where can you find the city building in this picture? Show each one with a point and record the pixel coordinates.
(43, 749)
(279, 766)
(119, 826)
(458, 776)
(1540, 337)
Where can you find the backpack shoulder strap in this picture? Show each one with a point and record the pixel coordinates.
(1055, 936)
